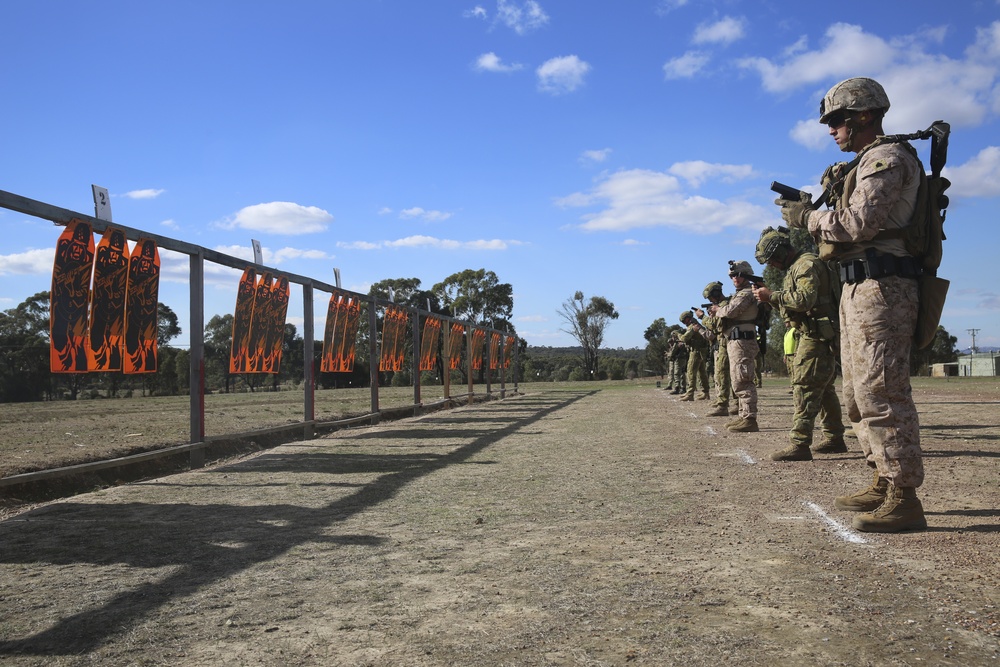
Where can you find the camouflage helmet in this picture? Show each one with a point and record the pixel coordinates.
(714, 286)
(686, 315)
(740, 268)
(857, 94)
(771, 240)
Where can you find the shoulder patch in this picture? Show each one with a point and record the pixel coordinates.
(877, 166)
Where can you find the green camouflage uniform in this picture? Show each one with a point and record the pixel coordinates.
(807, 306)
(698, 347)
(678, 365)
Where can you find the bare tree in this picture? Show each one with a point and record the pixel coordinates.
(587, 321)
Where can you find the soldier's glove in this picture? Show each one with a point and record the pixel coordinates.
(796, 213)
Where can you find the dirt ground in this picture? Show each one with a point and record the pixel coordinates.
(567, 526)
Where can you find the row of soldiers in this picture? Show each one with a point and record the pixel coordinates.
(872, 298)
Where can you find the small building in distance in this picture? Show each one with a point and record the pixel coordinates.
(979, 364)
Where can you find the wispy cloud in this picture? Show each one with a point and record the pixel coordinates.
(595, 155)
(521, 19)
(143, 194)
(696, 172)
(170, 224)
(280, 217)
(686, 66)
(491, 62)
(430, 216)
(664, 7)
(724, 31)
(640, 198)
(562, 75)
(476, 12)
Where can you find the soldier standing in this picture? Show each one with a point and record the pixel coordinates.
(678, 364)
(740, 332)
(878, 306)
(723, 387)
(696, 340)
(806, 302)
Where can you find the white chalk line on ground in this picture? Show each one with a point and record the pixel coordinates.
(741, 454)
(842, 532)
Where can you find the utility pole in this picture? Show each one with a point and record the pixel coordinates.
(973, 333)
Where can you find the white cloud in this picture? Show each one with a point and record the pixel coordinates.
(529, 16)
(476, 12)
(430, 216)
(724, 31)
(664, 7)
(632, 242)
(280, 217)
(286, 254)
(595, 155)
(358, 245)
(639, 198)
(686, 66)
(532, 318)
(143, 194)
(810, 134)
(28, 263)
(696, 172)
(979, 177)
(385, 210)
(849, 50)
(562, 75)
(490, 62)
(923, 85)
(171, 224)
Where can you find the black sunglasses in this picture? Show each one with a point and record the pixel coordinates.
(836, 120)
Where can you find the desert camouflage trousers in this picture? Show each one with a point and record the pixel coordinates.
(877, 321)
(697, 372)
(742, 353)
(813, 369)
(723, 387)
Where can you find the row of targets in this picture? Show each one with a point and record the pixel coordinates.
(259, 323)
(103, 303)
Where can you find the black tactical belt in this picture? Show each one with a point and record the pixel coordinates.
(736, 334)
(878, 266)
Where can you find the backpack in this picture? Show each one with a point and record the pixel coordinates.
(924, 235)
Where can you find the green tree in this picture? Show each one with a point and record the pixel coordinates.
(24, 350)
(218, 347)
(477, 296)
(587, 322)
(657, 336)
(943, 349)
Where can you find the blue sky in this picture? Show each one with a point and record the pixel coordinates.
(623, 149)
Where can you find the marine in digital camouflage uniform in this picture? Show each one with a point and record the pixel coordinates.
(878, 307)
(807, 306)
(740, 334)
(695, 337)
(723, 385)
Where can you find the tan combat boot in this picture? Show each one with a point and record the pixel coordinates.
(703, 396)
(865, 500)
(744, 425)
(719, 411)
(900, 511)
(793, 453)
(734, 410)
(689, 396)
(831, 446)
